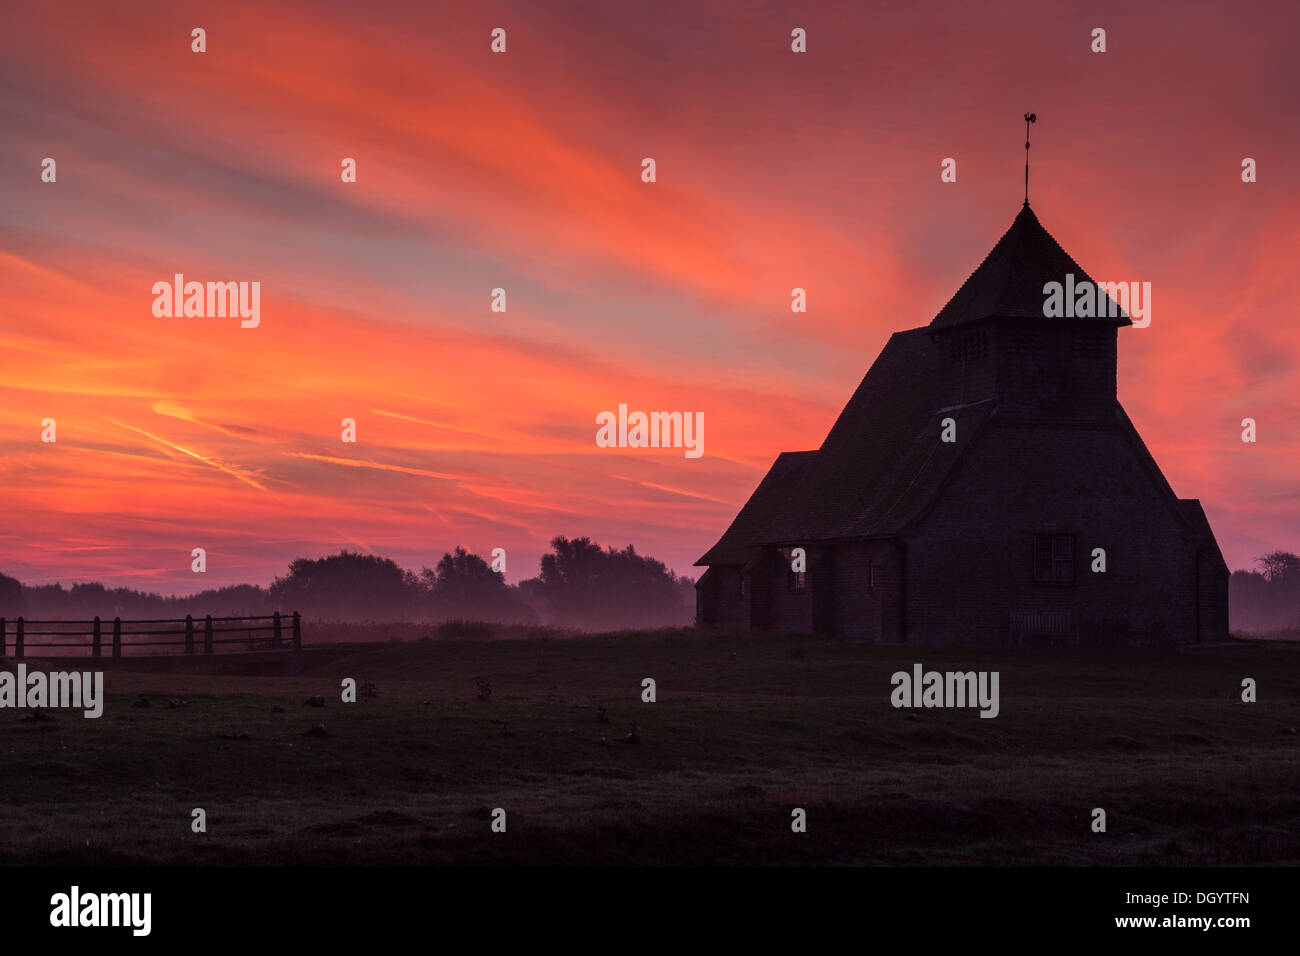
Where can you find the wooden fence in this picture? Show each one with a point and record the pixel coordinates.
(94, 630)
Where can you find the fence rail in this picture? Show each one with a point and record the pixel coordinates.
(94, 630)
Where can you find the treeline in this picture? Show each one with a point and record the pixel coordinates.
(1268, 599)
(579, 585)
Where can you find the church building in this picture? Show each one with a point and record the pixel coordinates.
(983, 485)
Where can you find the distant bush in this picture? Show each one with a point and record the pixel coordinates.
(462, 628)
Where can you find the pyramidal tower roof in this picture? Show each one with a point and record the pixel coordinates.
(1009, 282)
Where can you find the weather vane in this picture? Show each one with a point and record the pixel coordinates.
(1029, 118)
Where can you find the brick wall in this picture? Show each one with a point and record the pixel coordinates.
(718, 599)
(1213, 594)
(1057, 373)
(788, 610)
(863, 611)
(970, 561)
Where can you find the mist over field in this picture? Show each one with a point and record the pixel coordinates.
(579, 585)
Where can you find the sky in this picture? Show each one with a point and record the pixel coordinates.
(522, 171)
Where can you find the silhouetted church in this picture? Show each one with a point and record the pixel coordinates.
(992, 536)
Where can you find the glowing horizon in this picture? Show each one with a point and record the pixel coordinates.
(522, 171)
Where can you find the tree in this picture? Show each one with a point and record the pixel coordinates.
(1261, 603)
(582, 585)
(347, 585)
(464, 586)
(12, 603)
(1279, 566)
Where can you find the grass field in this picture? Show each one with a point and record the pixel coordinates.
(743, 731)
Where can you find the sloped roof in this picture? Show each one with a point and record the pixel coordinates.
(924, 467)
(883, 458)
(1195, 514)
(1009, 282)
(770, 496)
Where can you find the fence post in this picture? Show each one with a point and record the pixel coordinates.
(297, 631)
(2, 637)
(96, 644)
(117, 637)
(18, 639)
(207, 634)
(277, 641)
(189, 634)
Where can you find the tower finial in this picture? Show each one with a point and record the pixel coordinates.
(1029, 118)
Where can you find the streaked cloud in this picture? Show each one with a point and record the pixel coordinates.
(522, 172)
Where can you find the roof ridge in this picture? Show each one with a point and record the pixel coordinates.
(1009, 280)
(992, 250)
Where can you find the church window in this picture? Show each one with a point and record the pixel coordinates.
(1053, 557)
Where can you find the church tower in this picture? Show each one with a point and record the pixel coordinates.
(1001, 344)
